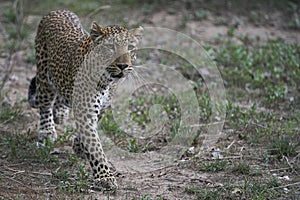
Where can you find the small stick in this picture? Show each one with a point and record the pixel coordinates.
(14, 170)
(41, 173)
(11, 63)
(259, 125)
(288, 185)
(232, 157)
(230, 144)
(281, 169)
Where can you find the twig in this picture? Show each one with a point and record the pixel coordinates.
(228, 147)
(16, 164)
(242, 148)
(23, 171)
(201, 125)
(18, 172)
(4, 122)
(232, 157)
(162, 168)
(10, 63)
(40, 173)
(287, 160)
(259, 125)
(288, 185)
(281, 169)
(46, 189)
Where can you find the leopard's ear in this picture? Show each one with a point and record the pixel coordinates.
(96, 30)
(137, 33)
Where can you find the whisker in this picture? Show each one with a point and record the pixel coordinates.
(141, 81)
(132, 80)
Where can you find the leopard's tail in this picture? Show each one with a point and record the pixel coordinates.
(32, 98)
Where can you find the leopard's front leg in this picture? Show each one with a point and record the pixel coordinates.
(86, 112)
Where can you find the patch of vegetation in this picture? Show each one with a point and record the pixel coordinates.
(261, 189)
(22, 146)
(149, 197)
(217, 193)
(213, 166)
(202, 193)
(242, 168)
(133, 146)
(140, 106)
(72, 183)
(15, 31)
(30, 56)
(283, 146)
(250, 189)
(259, 126)
(9, 114)
(221, 21)
(109, 126)
(201, 14)
(259, 67)
(15, 145)
(204, 101)
(294, 21)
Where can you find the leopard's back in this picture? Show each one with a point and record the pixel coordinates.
(58, 37)
(60, 32)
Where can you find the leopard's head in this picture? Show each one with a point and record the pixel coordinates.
(120, 44)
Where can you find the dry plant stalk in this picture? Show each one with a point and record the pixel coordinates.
(10, 61)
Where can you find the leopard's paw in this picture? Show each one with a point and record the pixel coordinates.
(105, 184)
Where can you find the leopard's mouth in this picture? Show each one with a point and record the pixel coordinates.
(120, 75)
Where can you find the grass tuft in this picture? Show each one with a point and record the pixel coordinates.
(214, 166)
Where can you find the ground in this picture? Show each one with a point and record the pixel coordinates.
(255, 46)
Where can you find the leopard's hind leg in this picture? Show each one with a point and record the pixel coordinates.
(45, 94)
(46, 97)
(60, 111)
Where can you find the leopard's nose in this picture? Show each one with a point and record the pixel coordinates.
(122, 66)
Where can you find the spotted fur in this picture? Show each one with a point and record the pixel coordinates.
(63, 50)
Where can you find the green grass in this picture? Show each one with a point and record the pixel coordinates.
(140, 115)
(22, 148)
(249, 189)
(9, 114)
(20, 145)
(241, 168)
(261, 189)
(141, 104)
(213, 166)
(217, 193)
(283, 146)
(72, 183)
(149, 197)
(259, 67)
(109, 126)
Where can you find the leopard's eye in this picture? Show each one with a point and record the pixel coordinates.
(131, 47)
(133, 56)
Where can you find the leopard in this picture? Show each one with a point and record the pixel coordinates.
(80, 70)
